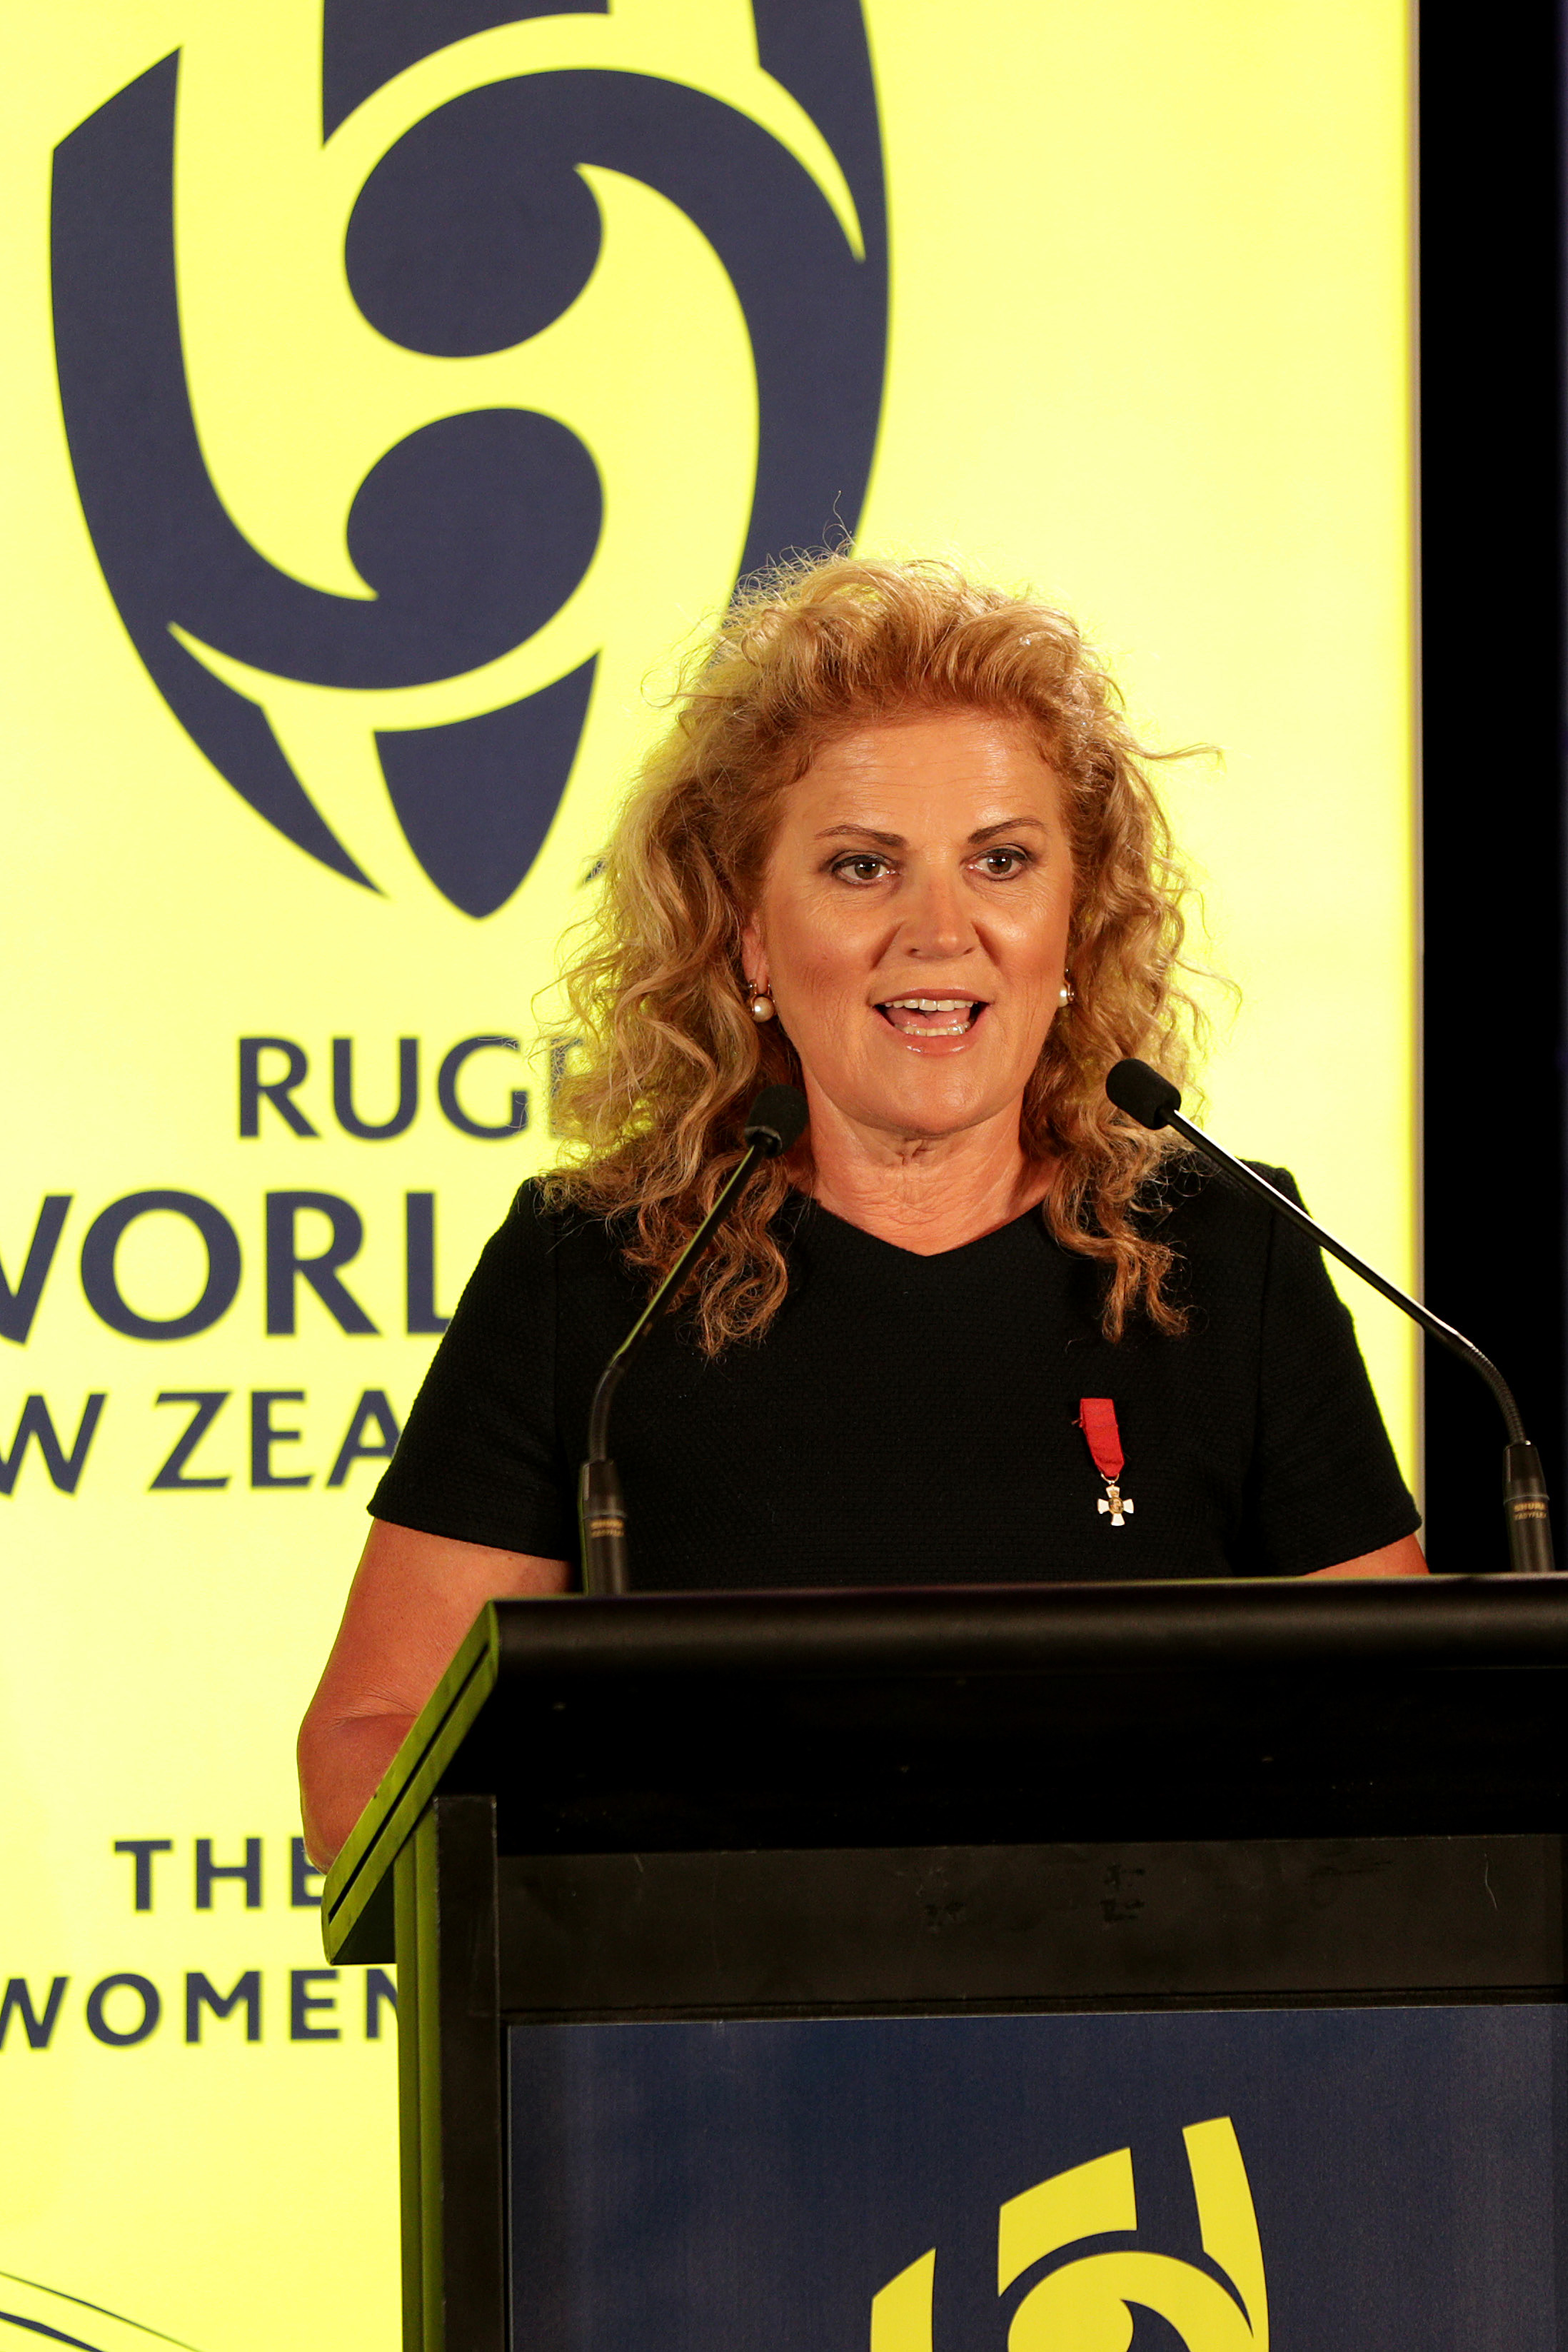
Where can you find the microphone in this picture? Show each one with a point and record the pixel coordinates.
(774, 1124)
(1149, 1099)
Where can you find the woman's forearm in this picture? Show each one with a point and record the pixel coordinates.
(413, 1600)
(341, 1766)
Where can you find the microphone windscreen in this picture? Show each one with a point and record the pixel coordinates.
(1142, 1093)
(776, 1120)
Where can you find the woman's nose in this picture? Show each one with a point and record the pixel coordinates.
(936, 921)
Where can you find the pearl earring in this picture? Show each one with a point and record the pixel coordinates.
(761, 1006)
(1066, 994)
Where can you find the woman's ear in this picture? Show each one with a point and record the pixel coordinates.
(754, 955)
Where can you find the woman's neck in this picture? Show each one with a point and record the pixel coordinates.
(923, 1193)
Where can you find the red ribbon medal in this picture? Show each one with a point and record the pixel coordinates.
(1096, 1419)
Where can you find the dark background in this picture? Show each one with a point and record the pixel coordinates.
(1491, 250)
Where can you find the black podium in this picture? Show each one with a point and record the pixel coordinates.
(806, 1923)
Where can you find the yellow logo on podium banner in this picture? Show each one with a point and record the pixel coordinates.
(1087, 2303)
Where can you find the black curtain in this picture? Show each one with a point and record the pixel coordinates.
(1491, 252)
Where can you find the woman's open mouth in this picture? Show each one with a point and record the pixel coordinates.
(932, 1016)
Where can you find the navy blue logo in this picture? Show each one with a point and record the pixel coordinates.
(474, 231)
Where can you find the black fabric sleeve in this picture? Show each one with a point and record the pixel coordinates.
(480, 1459)
(1325, 1485)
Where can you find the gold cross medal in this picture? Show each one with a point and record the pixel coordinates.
(1096, 1419)
(1112, 1501)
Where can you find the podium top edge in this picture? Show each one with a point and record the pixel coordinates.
(1444, 1620)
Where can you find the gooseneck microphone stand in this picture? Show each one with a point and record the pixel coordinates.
(1149, 1099)
(774, 1124)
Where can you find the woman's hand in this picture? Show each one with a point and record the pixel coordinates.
(411, 1601)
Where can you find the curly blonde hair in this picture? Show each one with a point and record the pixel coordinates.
(665, 1055)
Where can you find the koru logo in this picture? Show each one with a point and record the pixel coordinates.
(1088, 2301)
(473, 231)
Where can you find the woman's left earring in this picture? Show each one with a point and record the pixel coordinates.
(1066, 994)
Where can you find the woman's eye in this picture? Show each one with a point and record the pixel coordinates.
(863, 869)
(1002, 863)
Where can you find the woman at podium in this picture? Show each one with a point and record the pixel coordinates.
(900, 849)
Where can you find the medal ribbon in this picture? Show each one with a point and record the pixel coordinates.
(1096, 1419)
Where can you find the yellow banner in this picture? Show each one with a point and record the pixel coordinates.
(389, 394)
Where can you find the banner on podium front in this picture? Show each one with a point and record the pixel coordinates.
(1220, 2181)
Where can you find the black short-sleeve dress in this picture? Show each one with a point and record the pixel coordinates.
(910, 1420)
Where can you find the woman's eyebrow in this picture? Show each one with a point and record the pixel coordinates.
(1008, 825)
(861, 833)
